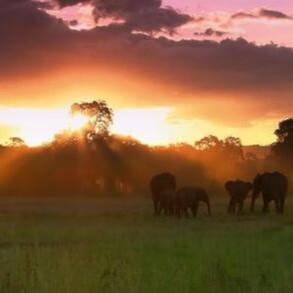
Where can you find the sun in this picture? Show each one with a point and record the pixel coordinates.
(78, 121)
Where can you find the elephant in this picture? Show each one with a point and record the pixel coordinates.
(167, 201)
(189, 198)
(273, 186)
(160, 183)
(238, 191)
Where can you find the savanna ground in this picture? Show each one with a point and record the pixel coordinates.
(117, 245)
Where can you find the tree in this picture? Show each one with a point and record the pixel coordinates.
(233, 148)
(232, 141)
(100, 117)
(16, 142)
(209, 143)
(285, 131)
(282, 149)
(66, 139)
(215, 152)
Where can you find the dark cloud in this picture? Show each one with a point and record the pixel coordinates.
(64, 3)
(153, 20)
(137, 15)
(273, 14)
(142, 15)
(262, 13)
(25, 15)
(125, 7)
(34, 43)
(73, 22)
(209, 32)
(28, 37)
(242, 15)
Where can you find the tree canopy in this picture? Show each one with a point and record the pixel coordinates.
(282, 149)
(99, 114)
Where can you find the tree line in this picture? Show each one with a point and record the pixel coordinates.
(91, 161)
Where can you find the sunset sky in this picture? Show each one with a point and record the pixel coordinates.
(173, 70)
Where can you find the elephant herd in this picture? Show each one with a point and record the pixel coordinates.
(169, 200)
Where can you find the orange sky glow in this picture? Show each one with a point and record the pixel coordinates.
(173, 71)
(149, 125)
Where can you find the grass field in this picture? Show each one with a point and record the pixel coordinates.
(116, 245)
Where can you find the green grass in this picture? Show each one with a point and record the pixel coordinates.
(119, 246)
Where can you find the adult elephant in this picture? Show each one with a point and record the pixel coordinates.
(160, 183)
(189, 198)
(167, 201)
(274, 187)
(238, 191)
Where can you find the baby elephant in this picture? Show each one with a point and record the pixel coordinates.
(238, 191)
(189, 198)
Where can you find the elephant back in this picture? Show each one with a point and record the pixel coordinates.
(238, 187)
(163, 181)
(274, 182)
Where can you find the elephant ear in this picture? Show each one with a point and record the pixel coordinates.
(228, 185)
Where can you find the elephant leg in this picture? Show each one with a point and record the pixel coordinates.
(282, 203)
(156, 206)
(186, 212)
(265, 205)
(195, 209)
(240, 209)
(230, 206)
(277, 205)
(166, 210)
(252, 204)
(171, 208)
(160, 208)
(178, 210)
(233, 208)
(209, 207)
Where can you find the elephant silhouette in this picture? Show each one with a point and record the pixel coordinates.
(161, 186)
(273, 187)
(238, 191)
(189, 198)
(167, 202)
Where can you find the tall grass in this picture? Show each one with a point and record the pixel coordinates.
(123, 248)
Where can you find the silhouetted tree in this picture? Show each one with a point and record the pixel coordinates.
(225, 155)
(282, 149)
(100, 117)
(285, 130)
(209, 143)
(16, 142)
(232, 147)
